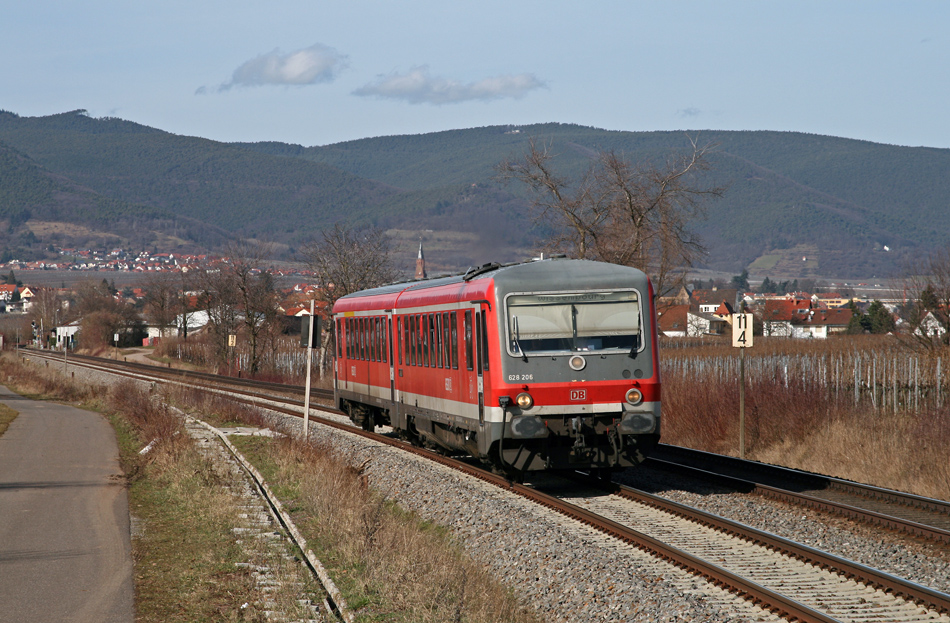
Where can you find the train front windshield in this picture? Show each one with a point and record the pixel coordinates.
(544, 324)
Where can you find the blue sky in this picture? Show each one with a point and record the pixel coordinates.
(315, 73)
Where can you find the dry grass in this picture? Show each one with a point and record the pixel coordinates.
(391, 565)
(7, 415)
(796, 423)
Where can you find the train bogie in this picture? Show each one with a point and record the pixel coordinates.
(543, 365)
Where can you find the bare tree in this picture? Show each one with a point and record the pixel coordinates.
(162, 298)
(103, 316)
(241, 295)
(927, 310)
(346, 260)
(631, 214)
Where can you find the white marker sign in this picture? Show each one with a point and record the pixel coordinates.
(742, 330)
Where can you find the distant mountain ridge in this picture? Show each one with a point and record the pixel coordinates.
(846, 207)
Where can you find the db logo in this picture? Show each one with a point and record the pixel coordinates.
(578, 395)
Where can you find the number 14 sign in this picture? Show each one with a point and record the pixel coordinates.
(742, 330)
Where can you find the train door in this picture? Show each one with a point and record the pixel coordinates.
(389, 345)
(480, 360)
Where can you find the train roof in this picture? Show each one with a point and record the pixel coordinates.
(540, 274)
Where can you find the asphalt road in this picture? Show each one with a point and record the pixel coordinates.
(65, 546)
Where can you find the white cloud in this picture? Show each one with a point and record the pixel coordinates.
(689, 112)
(419, 87)
(318, 63)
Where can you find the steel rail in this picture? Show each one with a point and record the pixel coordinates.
(921, 595)
(752, 474)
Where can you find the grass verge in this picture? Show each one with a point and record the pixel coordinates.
(7, 415)
(390, 564)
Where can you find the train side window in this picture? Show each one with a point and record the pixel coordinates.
(388, 341)
(446, 341)
(433, 360)
(425, 340)
(416, 341)
(360, 339)
(468, 340)
(438, 339)
(483, 343)
(338, 335)
(349, 338)
(380, 340)
(371, 339)
(411, 341)
(365, 341)
(405, 337)
(420, 333)
(453, 325)
(479, 330)
(376, 340)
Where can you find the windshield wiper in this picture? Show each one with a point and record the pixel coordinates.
(636, 343)
(514, 322)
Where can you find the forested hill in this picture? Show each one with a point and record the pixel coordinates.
(836, 202)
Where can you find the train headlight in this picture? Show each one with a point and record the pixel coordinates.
(525, 401)
(577, 362)
(634, 396)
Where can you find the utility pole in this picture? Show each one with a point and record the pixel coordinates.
(306, 402)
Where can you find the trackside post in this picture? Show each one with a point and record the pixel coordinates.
(742, 339)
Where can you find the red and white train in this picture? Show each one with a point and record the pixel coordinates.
(549, 364)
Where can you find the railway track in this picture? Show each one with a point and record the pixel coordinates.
(792, 580)
(919, 516)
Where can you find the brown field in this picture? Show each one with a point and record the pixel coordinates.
(804, 409)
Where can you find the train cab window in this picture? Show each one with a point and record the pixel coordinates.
(573, 322)
(453, 324)
(468, 340)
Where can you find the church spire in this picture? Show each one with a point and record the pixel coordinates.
(421, 264)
